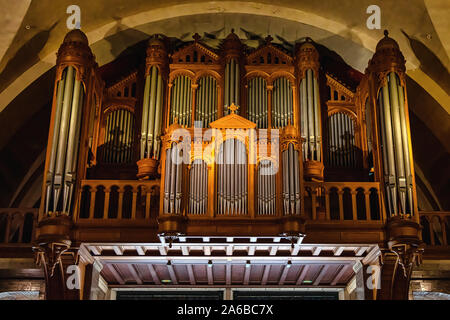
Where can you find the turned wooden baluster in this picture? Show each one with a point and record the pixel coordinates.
(93, 192)
(106, 206)
(341, 204)
(367, 201)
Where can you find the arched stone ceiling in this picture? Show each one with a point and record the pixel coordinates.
(46, 27)
(114, 25)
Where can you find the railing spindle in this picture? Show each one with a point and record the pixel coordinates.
(106, 206)
(354, 207)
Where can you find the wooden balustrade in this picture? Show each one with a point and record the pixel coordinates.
(18, 225)
(355, 201)
(436, 227)
(118, 200)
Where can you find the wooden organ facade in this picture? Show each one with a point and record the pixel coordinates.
(228, 142)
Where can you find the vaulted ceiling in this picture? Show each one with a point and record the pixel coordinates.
(33, 30)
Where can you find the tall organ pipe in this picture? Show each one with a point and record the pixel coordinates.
(62, 143)
(304, 128)
(392, 183)
(316, 118)
(404, 131)
(51, 166)
(72, 142)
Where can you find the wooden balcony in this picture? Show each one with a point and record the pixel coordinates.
(127, 210)
(436, 233)
(17, 230)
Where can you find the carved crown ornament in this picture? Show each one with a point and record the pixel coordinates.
(307, 57)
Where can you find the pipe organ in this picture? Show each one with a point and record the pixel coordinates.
(118, 146)
(282, 103)
(232, 178)
(389, 106)
(174, 178)
(206, 108)
(181, 108)
(231, 131)
(341, 141)
(257, 102)
(266, 185)
(73, 76)
(231, 139)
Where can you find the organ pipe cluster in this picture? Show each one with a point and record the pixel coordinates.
(232, 85)
(341, 141)
(174, 179)
(232, 178)
(310, 115)
(198, 187)
(257, 102)
(395, 147)
(152, 114)
(119, 141)
(291, 181)
(181, 107)
(61, 173)
(282, 104)
(266, 188)
(206, 101)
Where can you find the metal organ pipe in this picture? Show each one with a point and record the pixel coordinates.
(232, 181)
(392, 178)
(310, 110)
(62, 142)
(396, 152)
(66, 135)
(404, 131)
(304, 112)
(291, 183)
(51, 166)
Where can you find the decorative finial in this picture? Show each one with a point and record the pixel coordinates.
(232, 30)
(196, 37)
(233, 108)
(268, 39)
(386, 33)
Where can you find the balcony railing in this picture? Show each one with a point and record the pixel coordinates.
(436, 228)
(118, 200)
(344, 201)
(17, 225)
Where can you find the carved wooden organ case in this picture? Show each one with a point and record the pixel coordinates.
(231, 131)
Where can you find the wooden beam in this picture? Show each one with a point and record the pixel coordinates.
(118, 250)
(316, 251)
(115, 273)
(303, 273)
(95, 250)
(359, 252)
(209, 274)
(228, 274)
(162, 250)
(338, 251)
(273, 250)
(339, 274)
(266, 274)
(185, 250)
(247, 274)
(172, 274)
(134, 273)
(191, 274)
(321, 274)
(140, 251)
(295, 250)
(284, 275)
(152, 271)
